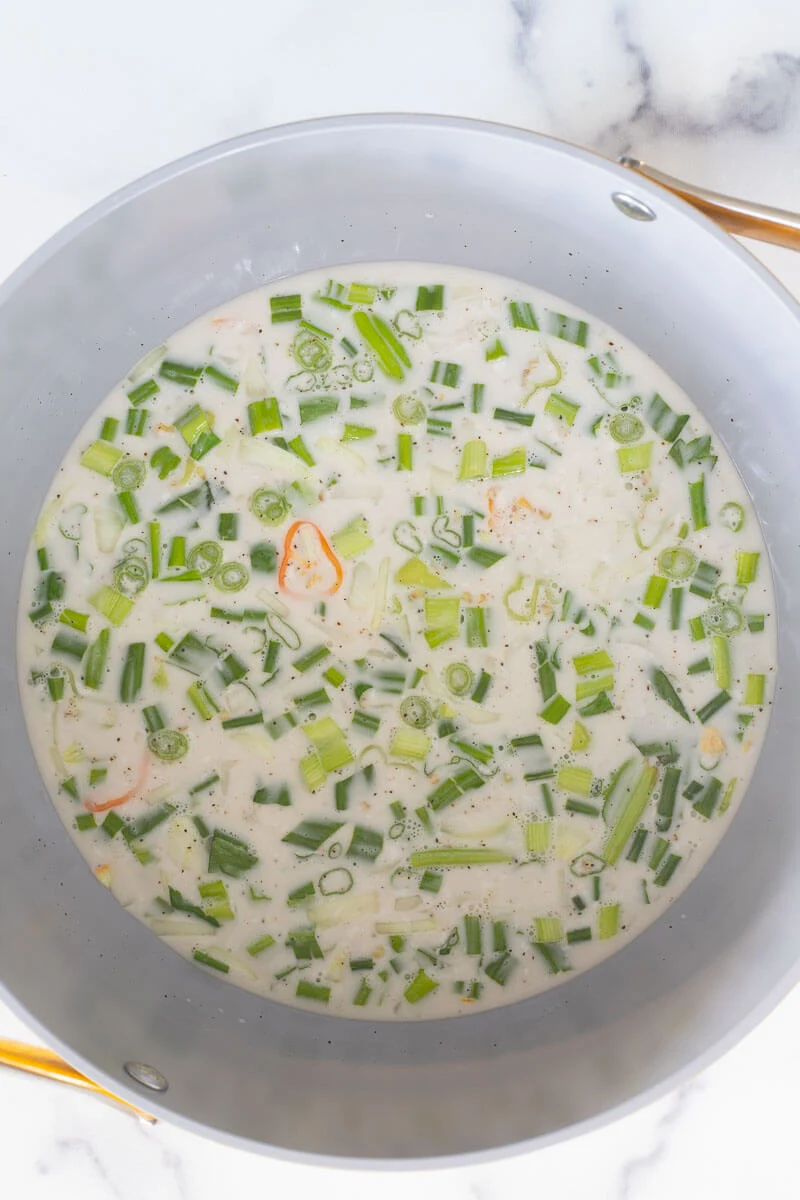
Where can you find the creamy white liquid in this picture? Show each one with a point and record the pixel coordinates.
(571, 521)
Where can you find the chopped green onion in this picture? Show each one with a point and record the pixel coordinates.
(208, 960)
(431, 881)
(408, 410)
(147, 822)
(575, 779)
(485, 556)
(357, 433)
(626, 428)
(697, 503)
(676, 595)
(154, 544)
(596, 707)
(447, 374)
(709, 797)
(263, 557)
(227, 527)
(475, 626)
(101, 457)
(405, 452)
(608, 921)
(654, 592)
(112, 824)
(459, 678)
(754, 689)
(364, 720)
(301, 450)
(411, 744)
(711, 707)
(570, 329)
(285, 308)
(731, 515)
(264, 415)
(597, 660)
(555, 710)
(637, 845)
(430, 299)
(677, 563)
(316, 408)
(457, 856)
(168, 744)
(721, 660)
(310, 834)
(442, 619)
(269, 506)
(74, 620)
(666, 800)
(513, 463)
(547, 929)
(667, 870)
(231, 577)
(277, 794)
(390, 353)
(495, 350)
(303, 942)
(664, 421)
(420, 987)
(111, 604)
(666, 692)
(746, 566)
(313, 991)
(353, 539)
(177, 552)
(365, 843)
(563, 409)
(164, 461)
(522, 315)
(537, 836)
(202, 701)
(634, 458)
(630, 815)
(95, 662)
(260, 945)
(132, 673)
(136, 421)
(474, 460)
(143, 392)
(592, 687)
(310, 659)
(704, 580)
(181, 373)
(229, 855)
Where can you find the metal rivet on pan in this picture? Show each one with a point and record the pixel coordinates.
(148, 1077)
(629, 206)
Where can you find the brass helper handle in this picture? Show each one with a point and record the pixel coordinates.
(743, 217)
(38, 1061)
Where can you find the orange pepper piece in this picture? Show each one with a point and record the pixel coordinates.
(98, 806)
(292, 557)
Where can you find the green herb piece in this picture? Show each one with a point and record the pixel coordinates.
(420, 987)
(229, 855)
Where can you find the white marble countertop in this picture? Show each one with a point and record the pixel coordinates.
(95, 95)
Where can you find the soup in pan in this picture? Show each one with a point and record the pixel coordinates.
(396, 643)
